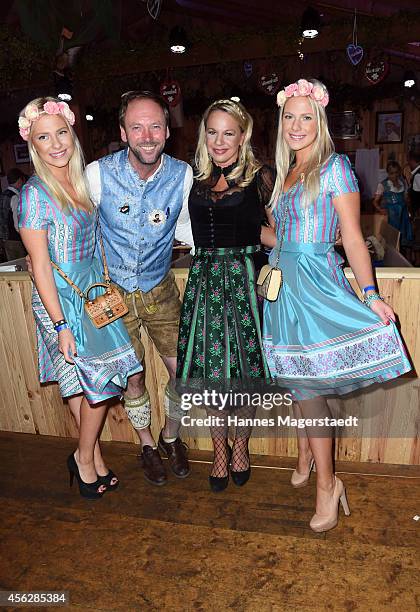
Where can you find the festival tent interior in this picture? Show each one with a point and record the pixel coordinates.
(178, 547)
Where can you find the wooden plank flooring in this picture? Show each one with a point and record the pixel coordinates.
(182, 548)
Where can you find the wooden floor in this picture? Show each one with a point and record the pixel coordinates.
(181, 547)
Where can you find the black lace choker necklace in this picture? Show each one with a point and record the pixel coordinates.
(226, 170)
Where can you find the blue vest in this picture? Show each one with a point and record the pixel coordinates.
(138, 219)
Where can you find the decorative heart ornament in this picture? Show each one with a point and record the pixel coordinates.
(154, 6)
(355, 54)
(171, 92)
(269, 83)
(376, 71)
(248, 69)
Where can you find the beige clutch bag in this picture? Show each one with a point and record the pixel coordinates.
(270, 278)
(269, 283)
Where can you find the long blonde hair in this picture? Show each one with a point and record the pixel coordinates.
(76, 166)
(322, 149)
(247, 165)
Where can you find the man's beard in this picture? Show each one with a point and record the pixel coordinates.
(147, 162)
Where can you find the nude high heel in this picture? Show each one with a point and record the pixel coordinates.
(301, 480)
(326, 522)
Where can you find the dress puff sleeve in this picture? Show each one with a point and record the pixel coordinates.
(379, 190)
(266, 178)
(32, 208)
(341, 178)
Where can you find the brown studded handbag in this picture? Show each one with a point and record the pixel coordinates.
(105, 308)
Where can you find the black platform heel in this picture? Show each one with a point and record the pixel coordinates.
(88, 490)
(242, 477)
(106, 480)
(219, 483)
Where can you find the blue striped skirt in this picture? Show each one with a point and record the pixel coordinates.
(318, 337)
(105, 357)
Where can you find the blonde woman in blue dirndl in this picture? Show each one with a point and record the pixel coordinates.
(57, 224)
(319, 338)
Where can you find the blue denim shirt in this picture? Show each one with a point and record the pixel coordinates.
(138, 219)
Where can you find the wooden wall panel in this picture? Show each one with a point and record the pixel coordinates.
(27, 406)
(20, 417)
(366, 140)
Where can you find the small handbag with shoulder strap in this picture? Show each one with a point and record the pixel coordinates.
(105, 308)
(270, 278)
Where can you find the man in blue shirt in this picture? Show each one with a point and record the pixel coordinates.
(142, 195)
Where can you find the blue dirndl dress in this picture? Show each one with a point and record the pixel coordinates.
(105, 357)
(319, 338)
(398, 217)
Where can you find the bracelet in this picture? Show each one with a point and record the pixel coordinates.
(372, 298)
(61, 327)
(58, 323)
(369, 288)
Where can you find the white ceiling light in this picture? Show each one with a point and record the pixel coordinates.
(409, 78)
(178, 41)
(311, 23)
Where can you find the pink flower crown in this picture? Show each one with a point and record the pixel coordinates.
(31, 114)
(303, 88)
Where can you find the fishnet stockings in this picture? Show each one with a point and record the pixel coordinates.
(219, 436)
(240, 457)
(221, 457)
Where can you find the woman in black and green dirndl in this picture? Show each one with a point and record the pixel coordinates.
(220, 345)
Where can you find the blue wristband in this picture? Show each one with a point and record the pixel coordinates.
(61, 327)
(58, 323)
(369, 288)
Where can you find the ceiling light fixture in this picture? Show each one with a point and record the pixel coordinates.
(409, 78)
(178, 40)
(89, 113)
(63, 87)
(311, 23)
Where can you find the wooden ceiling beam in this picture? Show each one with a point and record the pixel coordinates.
(228, 48)
(238, 11)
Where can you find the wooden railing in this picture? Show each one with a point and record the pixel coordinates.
(394, 409)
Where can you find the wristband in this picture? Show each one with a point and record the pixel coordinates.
(61, 327)
(58, 323)
(369, 288)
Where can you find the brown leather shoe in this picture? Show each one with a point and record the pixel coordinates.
(177, 456)
(151, 462)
